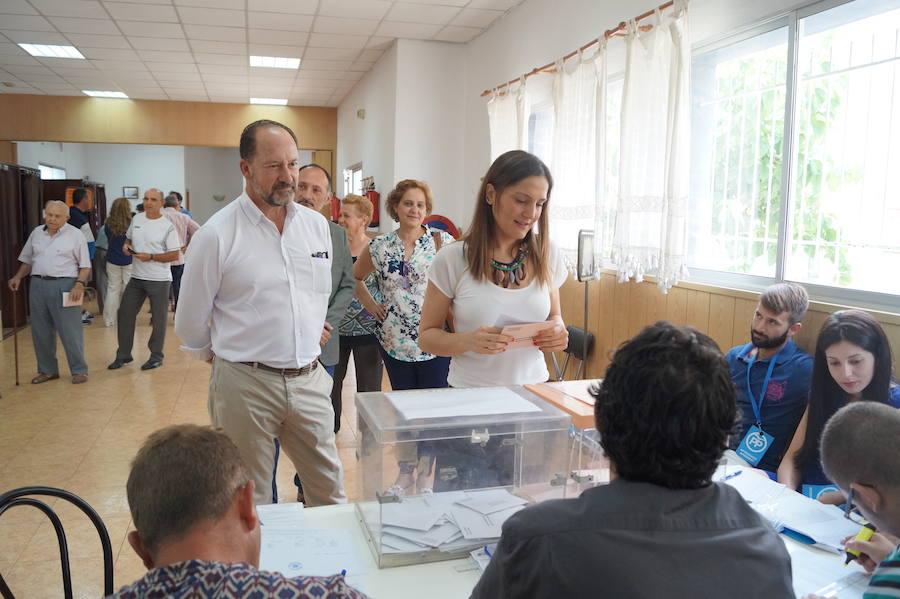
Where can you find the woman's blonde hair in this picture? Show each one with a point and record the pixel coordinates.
(119, 217)
(363, 206)
(508, 169)
(402, 187)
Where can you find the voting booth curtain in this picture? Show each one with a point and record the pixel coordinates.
(20, 212)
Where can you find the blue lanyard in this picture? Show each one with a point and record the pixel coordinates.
(755, 403)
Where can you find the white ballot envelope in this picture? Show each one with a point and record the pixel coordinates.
(523, 333)
(68, 302)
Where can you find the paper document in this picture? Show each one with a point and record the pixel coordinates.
(475, 525)
(524, 333)
(852, 586)
(494, 500)
(413, 513)
(309, 552)
(577, 389)
(284, 515)
(814, 571)
(446, 403)
(69, 302)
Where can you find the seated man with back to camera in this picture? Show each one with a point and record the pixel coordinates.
(661, 528)
(191, 501)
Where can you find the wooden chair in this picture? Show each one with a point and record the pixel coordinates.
(20, 497)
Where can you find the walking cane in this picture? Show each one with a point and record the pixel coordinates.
(16, 333)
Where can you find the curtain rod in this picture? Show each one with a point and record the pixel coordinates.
(615, 31)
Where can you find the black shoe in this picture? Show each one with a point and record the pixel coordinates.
(151, 364)
(117, 363)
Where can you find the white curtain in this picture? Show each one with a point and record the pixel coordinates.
(578, 147)
(651, 214)
(508, 111)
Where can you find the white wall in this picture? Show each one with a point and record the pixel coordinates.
(144, 166)
(370, 141)
(211, 172)
(61, 155)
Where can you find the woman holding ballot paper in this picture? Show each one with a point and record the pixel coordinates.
(499, 287)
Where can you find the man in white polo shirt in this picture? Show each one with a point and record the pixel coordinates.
(153, 242)
(57, 258)
(254, 297)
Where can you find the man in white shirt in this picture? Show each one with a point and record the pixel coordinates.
(57, 258)
(153, 241)
(253, 300)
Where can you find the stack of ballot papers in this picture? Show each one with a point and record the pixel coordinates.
(452, 521)
(822, 525)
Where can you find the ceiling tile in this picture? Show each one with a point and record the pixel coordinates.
(66, 63)
(109, 54)
(229, 99)
(18, 7)
(260, 74)
(218, 47)
(89, 26)
(303, 7)
(18, 59)
(26, 23)
(379, 43)
(182, 86)
(224, 69)
(407, 30)
(144, 78)
(421, 13)
(40, 79)
(70, 8)
(142, 12)
(142, 29)
(212, 16)
(281, 21)
(330, 54)
(21, 88)
(232, 4)
(29, 70)
(184, 97)
(473, 17)
(451, 33)
(164, 56)
(148, 96)
(456, 3)
(370, 55)
(233, 59)
(175, 76)
(370, 9)
(214, 79)
(291, 51)
(98, 41)
(11, 49)
(325, 65)
(320, 75)
(255, 79)
(330, 40)
(362, 65)
(219, 34)
(160, 43)
(345, 26)
(494, 4)
(271, 36)
(55, 87)
(119, 65)
(175, 67)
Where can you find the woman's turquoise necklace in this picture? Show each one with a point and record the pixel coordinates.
(510, 273)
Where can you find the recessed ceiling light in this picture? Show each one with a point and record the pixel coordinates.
(275, 62)
(47, 51)
(97, 94)
(275, 101)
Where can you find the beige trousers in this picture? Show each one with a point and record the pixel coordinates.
(254, 407)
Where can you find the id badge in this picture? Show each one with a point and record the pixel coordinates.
(816, 491)
(754, 445)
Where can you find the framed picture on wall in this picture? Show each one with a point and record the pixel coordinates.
(585, 255)
(130, 192)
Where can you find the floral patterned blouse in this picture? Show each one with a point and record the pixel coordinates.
(403, 286)
(357, 321)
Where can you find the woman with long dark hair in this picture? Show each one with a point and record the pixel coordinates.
(118, 263)
(852, 362)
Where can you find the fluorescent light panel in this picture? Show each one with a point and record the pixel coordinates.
(275, 62)
(99, 94)
(275, 101)
(48, 51)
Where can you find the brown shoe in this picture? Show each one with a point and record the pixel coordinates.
(77, 379)
(43, 378)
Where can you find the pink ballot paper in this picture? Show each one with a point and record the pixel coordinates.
(67, 302)
(523, 333)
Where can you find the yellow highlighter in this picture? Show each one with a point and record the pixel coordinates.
(865, 533)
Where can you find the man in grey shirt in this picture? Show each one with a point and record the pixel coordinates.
(661, 528)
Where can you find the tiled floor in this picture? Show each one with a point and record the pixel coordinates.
(82, 437)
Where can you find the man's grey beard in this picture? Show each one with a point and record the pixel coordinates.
(270, 198)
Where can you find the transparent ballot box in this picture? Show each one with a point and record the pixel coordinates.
(435, 457)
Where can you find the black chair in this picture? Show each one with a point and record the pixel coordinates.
(20, 497)
(580, 345)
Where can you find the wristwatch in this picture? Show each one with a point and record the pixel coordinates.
(151, 257)
(83, 284)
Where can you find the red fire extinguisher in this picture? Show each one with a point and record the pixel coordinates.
(335, 208)
(375, 198)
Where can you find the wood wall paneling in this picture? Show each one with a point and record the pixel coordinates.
(104, 120)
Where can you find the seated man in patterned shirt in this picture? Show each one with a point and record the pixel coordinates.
(191, 500)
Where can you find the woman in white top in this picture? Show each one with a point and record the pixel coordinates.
(504, 272)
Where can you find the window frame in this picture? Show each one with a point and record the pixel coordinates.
(840, 296)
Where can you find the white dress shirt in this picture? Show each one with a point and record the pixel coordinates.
(252, 294)
(59, 255)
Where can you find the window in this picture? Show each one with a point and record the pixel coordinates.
(51, 172)
(353, 179)
(792, 175)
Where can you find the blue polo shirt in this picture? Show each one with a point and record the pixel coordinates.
(785, 398)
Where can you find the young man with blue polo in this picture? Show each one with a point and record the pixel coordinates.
(772, 377)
